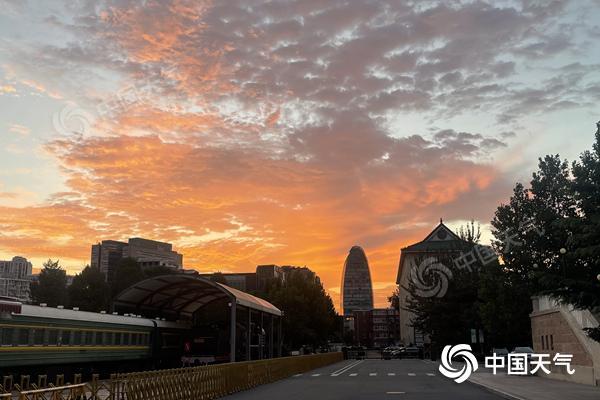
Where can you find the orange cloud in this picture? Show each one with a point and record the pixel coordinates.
(230, 209)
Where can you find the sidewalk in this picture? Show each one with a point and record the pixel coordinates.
(533, 387)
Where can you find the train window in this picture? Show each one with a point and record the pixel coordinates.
(77, 338)
(89, 338)
(38, 336)
(6, 338)
(146, 337)
(98, 338)
(23, 336)
(126, 336)
(135, 339)
(108, 338)
(66, 338)
(118, 338)
(53, 337)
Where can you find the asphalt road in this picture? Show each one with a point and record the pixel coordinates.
(369, 379)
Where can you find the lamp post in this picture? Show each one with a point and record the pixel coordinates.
(563, 251)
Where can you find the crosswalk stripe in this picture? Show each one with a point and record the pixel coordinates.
(373, 374)
(391, 374)
(316, 374)
(430, 374)
(353, 374)
(297, 375)
(412, 374)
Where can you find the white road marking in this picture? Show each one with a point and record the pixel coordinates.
(430, 374)
(297, 375)
(346, 368)
(316, 375)
(394, 392)
(391, 374)
(412, 374)
(353, 374)
(373, 374)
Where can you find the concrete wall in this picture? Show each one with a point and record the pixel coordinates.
(562, 330)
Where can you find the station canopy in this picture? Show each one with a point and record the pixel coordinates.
(182, 295)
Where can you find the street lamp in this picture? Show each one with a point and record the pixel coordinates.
(598, 277)
(563, 251)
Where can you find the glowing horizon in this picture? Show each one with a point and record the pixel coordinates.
(280, 133)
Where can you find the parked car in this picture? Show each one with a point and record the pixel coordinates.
(391, 352)
(409, 352)
(501, 351)
(523, 350)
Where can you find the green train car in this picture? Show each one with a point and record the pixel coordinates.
(33, 336)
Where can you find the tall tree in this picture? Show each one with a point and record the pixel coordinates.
(127, 273)
(470, 233)
(310, 317)
(575, 276)
(50, 288)
(448, 317)
(89, 290)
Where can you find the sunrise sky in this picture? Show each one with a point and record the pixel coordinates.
(287, 132)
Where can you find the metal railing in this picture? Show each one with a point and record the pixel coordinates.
(196, 383)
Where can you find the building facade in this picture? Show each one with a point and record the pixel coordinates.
(357, 290)
(107, 254)
(376, 328)
(559, 328)
(441, 245)
(15, 278)
(251, 282)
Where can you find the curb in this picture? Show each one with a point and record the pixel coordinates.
(499, 392)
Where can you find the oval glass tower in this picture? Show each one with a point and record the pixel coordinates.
(357, 291)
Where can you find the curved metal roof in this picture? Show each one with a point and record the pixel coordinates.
(182, 295)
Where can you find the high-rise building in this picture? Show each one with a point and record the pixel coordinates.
(15, 278)
(107, 254)
(357, 290)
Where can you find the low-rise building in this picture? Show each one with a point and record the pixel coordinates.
(376, 328)
(249, 281)
(15, 278)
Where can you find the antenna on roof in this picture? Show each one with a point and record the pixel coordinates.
(441, 221)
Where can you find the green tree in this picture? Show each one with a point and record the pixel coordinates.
(127, 273)
(219, 278)
(504, 307)
(310, 318)
(574, 276)
(89, 290)
(50, 288)
(448, 317)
